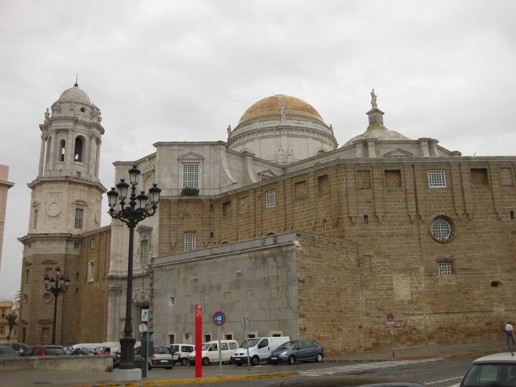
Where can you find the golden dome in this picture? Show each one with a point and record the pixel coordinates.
(280, 105)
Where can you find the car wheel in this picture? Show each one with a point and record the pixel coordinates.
(168, 368)
(255, 360)
(184, 361)
(205, 361)
(319, 357)
(291, 360)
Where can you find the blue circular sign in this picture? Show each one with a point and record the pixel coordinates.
(219, 318)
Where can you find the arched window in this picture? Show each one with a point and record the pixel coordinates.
(63, 150)
(78, 152)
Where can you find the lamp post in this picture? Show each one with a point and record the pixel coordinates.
(131, 213)
(56, 285)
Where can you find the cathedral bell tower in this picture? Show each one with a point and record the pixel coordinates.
(66, 200)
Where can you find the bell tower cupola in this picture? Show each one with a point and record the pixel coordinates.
(67, 193)
(71, 137)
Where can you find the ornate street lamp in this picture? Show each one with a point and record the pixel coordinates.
(56, 285)
(131, 213)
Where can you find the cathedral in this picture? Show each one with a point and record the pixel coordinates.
(354, 245)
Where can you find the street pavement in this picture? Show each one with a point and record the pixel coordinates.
(213, 373)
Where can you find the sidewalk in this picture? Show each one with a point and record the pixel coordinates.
(186, 374)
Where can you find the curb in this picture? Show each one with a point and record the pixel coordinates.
(191, 381)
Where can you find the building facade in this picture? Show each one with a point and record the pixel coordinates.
(278, 224)
(4, 187)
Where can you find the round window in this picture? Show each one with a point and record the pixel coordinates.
(442, 229)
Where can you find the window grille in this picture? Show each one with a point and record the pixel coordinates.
(444, 268)
(190, 175)
(270, 199)
(79, 215)
(436, 178)
(441, 230)
(189, 241)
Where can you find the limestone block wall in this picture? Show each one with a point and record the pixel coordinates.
(387, 208)
(256, 279)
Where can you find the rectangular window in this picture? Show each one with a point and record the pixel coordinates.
(444, 268)
(190, 175)
(436, 178)
(393, 178)
(270, 199)
(91, 271)
(189, 241)
(505, 177)
(300, 190)
(79, 214)
(35, 218)
(323, 185)
(242, 205)
(364, 179)
(226, 209)
(93, 243)
(479, 176)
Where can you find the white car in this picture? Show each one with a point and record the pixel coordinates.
(182, 351)
(161, 358)
(210, 352)
(493, 370)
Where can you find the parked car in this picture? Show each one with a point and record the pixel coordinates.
(8, 352)
(210, 352)
(46, 350)
(18, 347)
(162, 358)
(78, 352)
(92, 348)
(108, 348)
(492, 370)
(182, 351)
(258, 348)
(297, 351)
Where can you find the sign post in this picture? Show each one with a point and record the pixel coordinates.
(198, 340)
(143, 330)
(219, 318)
(245, 325)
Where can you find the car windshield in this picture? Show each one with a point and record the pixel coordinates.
(205, 347)
(55, 351)
(249, 343)
(286, 345)
(499, 374)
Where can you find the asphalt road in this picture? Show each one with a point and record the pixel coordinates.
(429, 372)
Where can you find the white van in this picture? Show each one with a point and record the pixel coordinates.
(182, 351)
(260, 349)
(210, 352)
(91, 348)
(109, 348)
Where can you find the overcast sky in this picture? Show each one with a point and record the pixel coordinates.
(183, 70)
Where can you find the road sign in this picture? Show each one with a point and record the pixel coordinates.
(142, 327)
(219, 318)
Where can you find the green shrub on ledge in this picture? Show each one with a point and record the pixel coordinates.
(190, 191)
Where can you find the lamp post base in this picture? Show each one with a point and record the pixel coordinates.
(127, 375)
